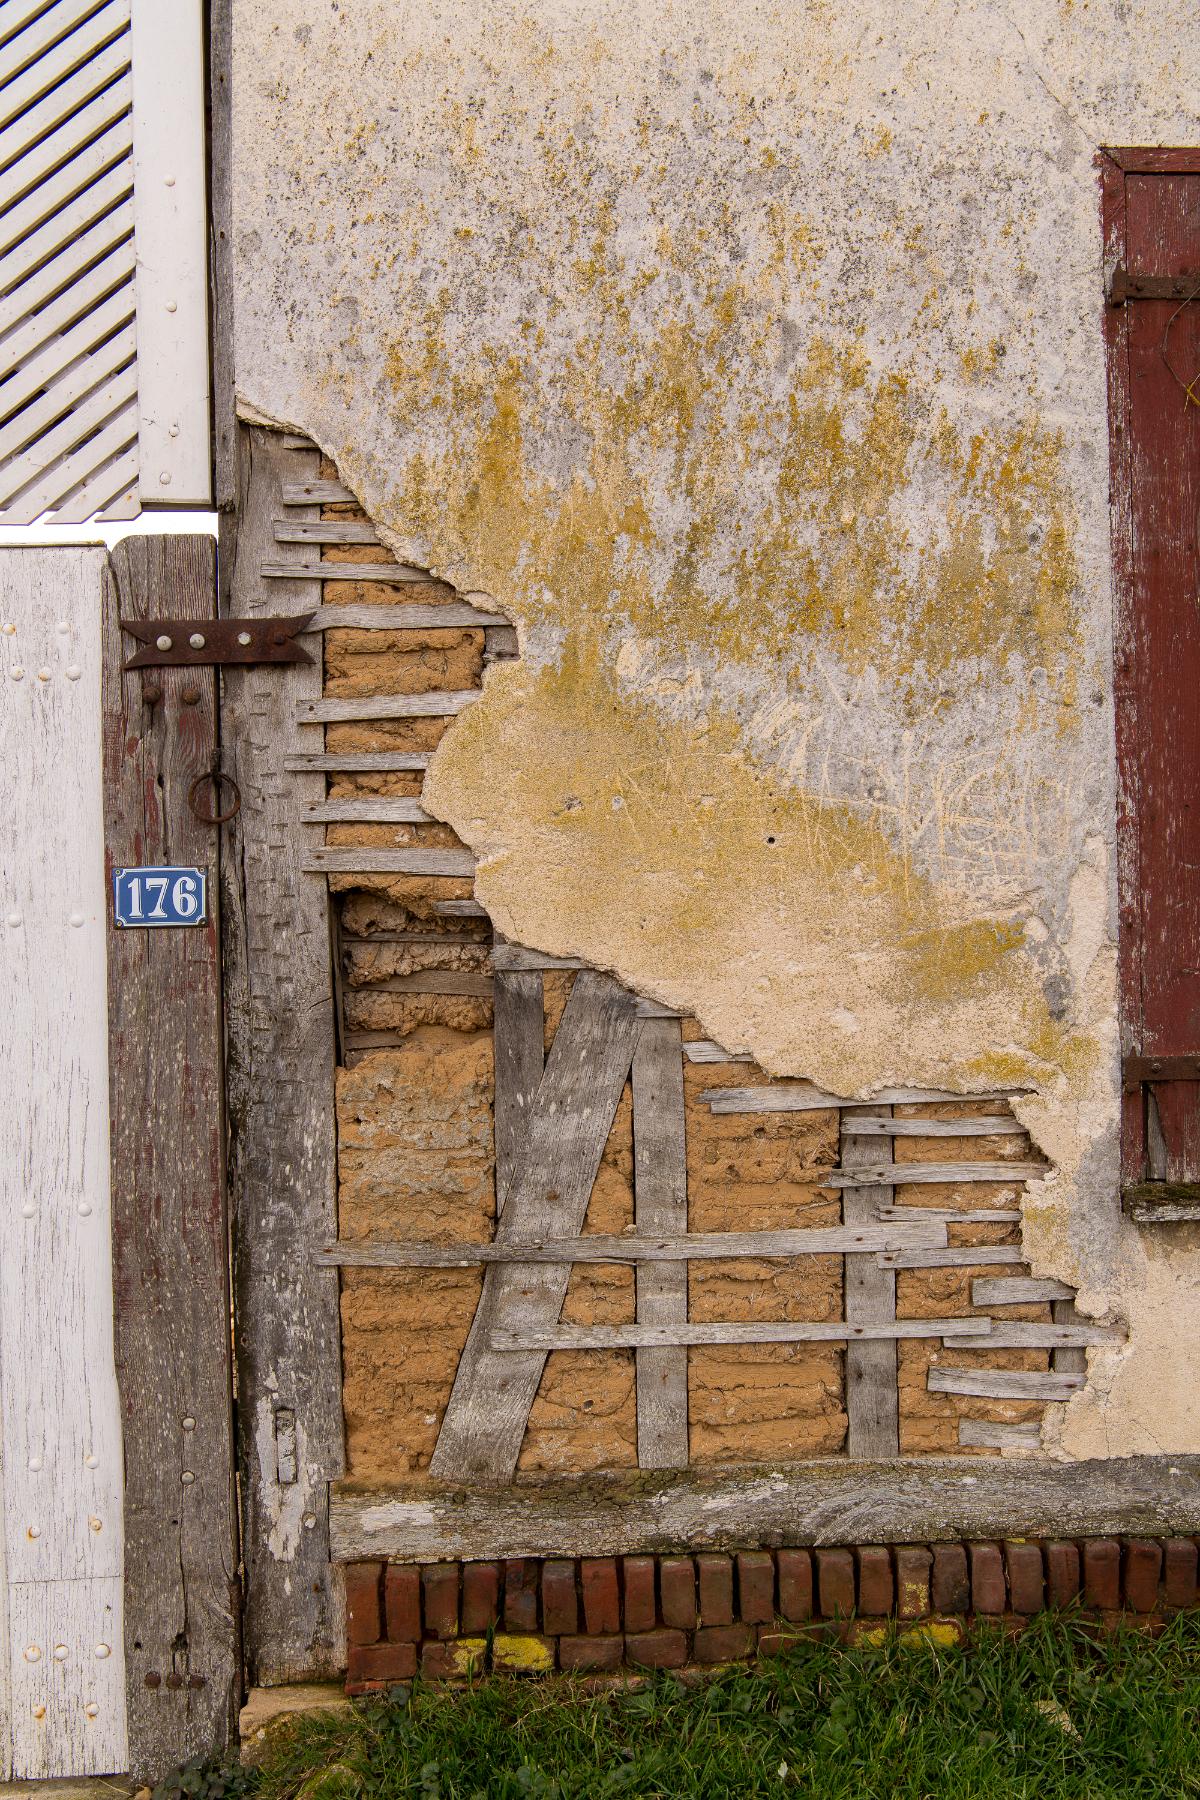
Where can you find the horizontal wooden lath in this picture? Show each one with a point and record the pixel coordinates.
(699, 1246)
(705, 1050)
(325, 531)
(1017, 1290)
(1018, 1334)
(803, 1096)
(374, 809)
(435, 981)
(979, 1127)
(386, 706)
(316, 493)
(1004, 1384)
(357, 762)
(390, 574)
(452, 615)
(513, 956)
(367, 861)
(981, 1215)
(749, 1331)
(983, 1434)
(899, 1174)
(960, 1256)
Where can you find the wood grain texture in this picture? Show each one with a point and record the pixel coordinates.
(514, 956)
(589, 1061)
(872, 1394)
(390, 574)
(317, 493)
(1002, 1174)
(355, 762)
(170, 1243)
(375, 809)
(280, 1024)
(435, 981)
(1070, 1353)
(325, 531)
(856, 1125)
(452, 613)
(1004, 1384)
(1017, 1290)
(367, 861)
(707, 1050)
(983, 1434)
(960, 1257)
(743, 1331)
(59, 1404)
(660, 1208)
(829, 1501)
(951, 1215)
(518, 1026)
(802, 1096)
(386, 706)
(1065, 1334)
(699, 1246)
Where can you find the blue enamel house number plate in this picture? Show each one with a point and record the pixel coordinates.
(160, 897)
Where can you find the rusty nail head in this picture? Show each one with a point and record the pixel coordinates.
(197, 1681)
(153, 1679)
(1155, 1066)
(174, 1680)
(151, 693)
(190, 696)
(279, 637)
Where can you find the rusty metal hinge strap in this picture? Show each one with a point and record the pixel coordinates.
(192, 642)
(1136, 1070)
(1123, 286)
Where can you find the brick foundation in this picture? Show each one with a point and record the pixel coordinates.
(599, 1615)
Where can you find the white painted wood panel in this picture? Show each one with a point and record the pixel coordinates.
(59, 1411)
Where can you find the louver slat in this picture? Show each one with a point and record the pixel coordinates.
(103, 333)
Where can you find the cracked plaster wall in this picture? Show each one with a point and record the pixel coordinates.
(749, 357)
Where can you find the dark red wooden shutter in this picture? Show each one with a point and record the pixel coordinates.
(1153, 231)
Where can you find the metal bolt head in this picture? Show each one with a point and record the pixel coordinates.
(33, 1653)
(162, 642)
(189, 1424)
(187, 1478)
(92, 1710)
(103, 1650)
(197, 640)
(244, 638)
(60, 1653)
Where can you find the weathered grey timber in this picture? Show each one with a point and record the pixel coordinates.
(1004, 1384)
(830, 1501)
(170, 1260)
(950, 1215)
(903, 1173)
(317, 493)
(376, 809)
(391, 574)
(513, 956)
(743, 1331)
(704, 1050)
(1017, 1290)
(386, 706)
(982, 1434)
(518, 1036)
(557, 1160)
(325, 531)
(660, 1208)
(802, 1096)
(1022, 1335)
(368, 861)
(959, 1257)
(872, 1394)
(700, 1246)
(356, 762)
(984, 1127)
(401, 618)
(280, 1021)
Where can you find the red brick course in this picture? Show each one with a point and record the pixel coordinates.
(669, 1612)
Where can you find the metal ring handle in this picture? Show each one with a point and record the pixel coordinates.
(216, 776)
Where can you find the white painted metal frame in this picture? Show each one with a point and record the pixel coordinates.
(170, 232)
(62, 1664)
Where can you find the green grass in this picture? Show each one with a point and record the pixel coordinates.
(1057, 1712)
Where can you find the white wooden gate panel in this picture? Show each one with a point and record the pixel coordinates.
(59, 1411)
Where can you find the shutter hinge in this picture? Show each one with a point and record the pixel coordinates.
(1138, 1069)
(1123, 286)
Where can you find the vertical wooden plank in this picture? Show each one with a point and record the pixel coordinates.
(60, 1421)
(170, 1232)
(280, 1046)
(518, 1034)
(1069, 1359)
(872, 1395)
(660, 1208)
(484, 1423)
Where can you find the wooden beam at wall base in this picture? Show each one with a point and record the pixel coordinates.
(918, 1500)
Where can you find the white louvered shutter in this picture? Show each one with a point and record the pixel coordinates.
(104, 401)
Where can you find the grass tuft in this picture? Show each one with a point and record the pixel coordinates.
(1059, 1713)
